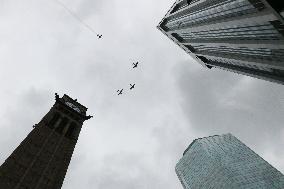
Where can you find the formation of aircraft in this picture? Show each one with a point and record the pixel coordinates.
(119, 92)
(135, 65)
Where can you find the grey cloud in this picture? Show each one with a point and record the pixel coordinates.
(133, 141)
(217, 101)
(88, 8)
(26, 110)
(125, 170)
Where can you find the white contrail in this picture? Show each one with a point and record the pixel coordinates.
(76, 17)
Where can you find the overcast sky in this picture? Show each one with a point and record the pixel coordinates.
(134, 140)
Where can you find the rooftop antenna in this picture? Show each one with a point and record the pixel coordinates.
(76, 17)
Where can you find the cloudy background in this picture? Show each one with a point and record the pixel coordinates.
(134, 140)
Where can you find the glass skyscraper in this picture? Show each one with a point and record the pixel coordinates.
(224, 162)
(242, 36)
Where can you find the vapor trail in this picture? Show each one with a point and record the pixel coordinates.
(76, 17)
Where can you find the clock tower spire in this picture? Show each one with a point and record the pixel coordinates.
(42, 159)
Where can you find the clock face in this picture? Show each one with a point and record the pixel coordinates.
(74, 107)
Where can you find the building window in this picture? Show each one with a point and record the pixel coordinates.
(266, 31)
(203, 59)
(190, 48)
(278, 26)
(215, 11)
(177, 37)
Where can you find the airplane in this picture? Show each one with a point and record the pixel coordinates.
(132, 86)
(135, 65)
(99, 36)
(120, 92)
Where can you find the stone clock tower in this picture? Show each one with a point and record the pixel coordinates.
(42, 159)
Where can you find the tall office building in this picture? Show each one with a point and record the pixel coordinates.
(224, 162)
(242, 36)
(42, 159)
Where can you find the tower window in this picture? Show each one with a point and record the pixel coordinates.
(53, 120)
(72, 131)
(62, 125)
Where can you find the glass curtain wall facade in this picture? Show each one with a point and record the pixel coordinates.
(243, 36)
(222, 162)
